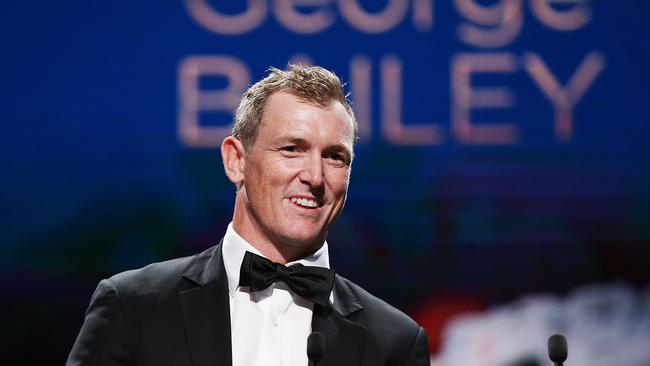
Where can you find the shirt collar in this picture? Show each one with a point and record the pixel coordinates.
(234, 247)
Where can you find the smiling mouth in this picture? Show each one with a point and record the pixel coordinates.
(304, 202)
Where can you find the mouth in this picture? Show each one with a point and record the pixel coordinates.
(304, 202)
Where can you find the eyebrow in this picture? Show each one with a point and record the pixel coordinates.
(284, 139)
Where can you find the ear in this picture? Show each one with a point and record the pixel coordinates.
(234, 159)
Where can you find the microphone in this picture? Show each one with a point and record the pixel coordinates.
(315, 347)
(557, 349)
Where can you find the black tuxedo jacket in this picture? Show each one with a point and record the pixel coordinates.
(178, 313)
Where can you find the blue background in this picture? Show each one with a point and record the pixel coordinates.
(95, 179)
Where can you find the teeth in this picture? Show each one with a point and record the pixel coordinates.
(304, 202)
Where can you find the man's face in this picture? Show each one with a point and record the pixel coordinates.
(297, 170)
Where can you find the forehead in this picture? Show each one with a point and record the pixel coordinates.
(285, 113)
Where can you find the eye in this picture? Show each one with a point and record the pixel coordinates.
(291, 151)
(338, 157)
(290, 148)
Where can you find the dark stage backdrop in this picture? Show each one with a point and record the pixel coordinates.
(504, 151)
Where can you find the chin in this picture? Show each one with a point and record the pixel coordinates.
(303, 238)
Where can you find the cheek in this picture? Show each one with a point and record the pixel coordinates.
(283, 171)
(257, 183)
(339, 181)
(276, 181)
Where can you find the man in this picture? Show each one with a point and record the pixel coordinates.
(289, 156)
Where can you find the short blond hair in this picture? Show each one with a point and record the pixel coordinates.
(310, 83)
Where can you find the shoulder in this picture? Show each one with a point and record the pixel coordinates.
(393, 336)
(375, 311)
(159, 279)
(137, 311)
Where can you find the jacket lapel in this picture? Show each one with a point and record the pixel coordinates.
(206, 310)
(344, 339)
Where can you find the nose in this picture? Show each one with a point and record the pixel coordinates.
(312, 171)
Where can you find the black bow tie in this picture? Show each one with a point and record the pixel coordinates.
(312, 283)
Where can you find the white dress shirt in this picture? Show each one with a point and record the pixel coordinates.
(268, 327)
